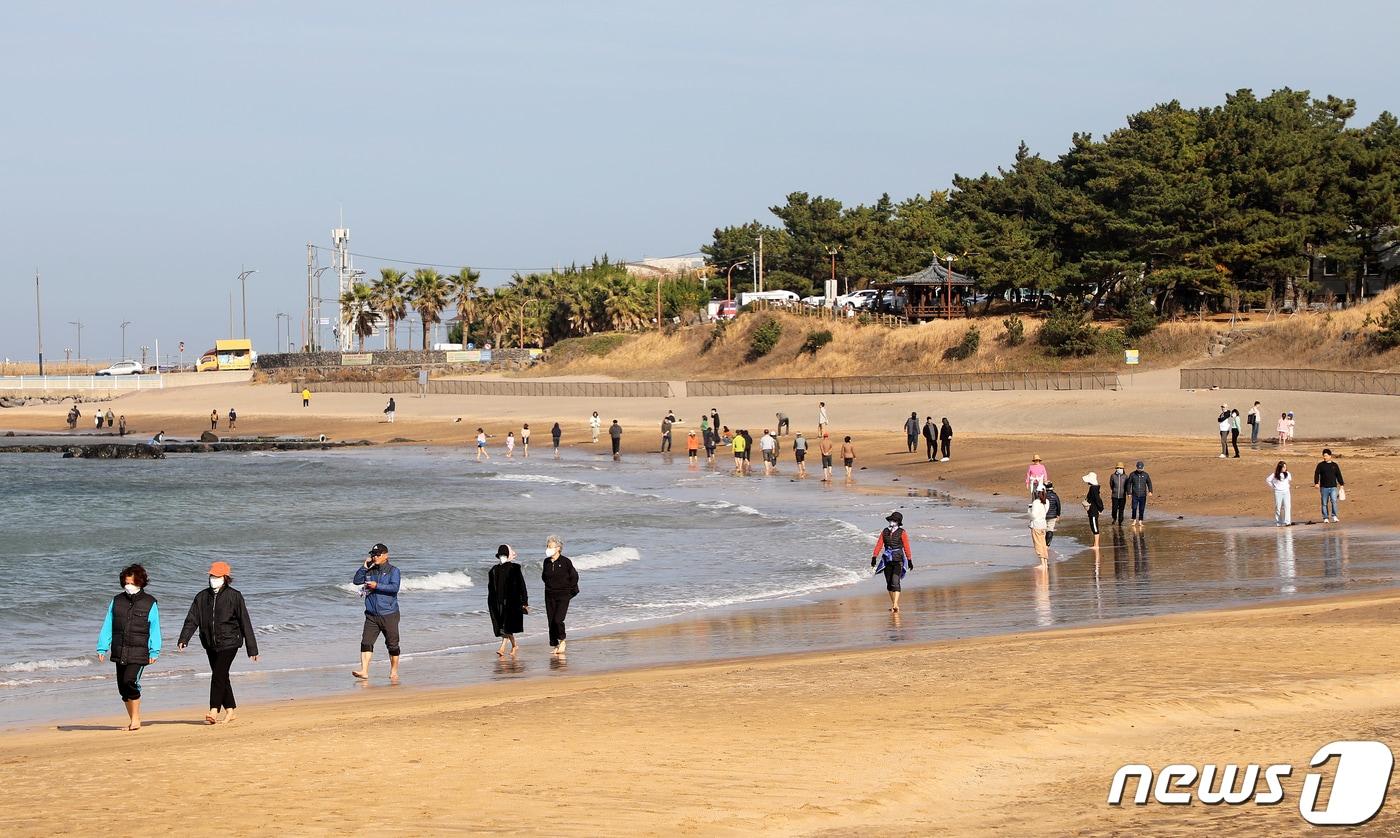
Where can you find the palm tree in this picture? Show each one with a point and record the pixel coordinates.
(497, 316)
(391, 300)
(360, 315)
(622, 308)
(430, 292)
(467, 290)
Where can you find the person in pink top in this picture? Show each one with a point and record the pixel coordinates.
(1036, 475)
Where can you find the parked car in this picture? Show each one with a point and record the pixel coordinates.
(857, 299)
(121, 368)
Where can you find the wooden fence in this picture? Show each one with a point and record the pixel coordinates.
(942, 382)
(467, 387)
(1316, 381)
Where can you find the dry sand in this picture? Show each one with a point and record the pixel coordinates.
(1015, 735)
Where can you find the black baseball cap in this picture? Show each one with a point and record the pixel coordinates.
(378, 550)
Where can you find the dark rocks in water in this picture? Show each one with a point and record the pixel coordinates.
(208, 436)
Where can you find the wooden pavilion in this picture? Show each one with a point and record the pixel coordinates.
(931, 294)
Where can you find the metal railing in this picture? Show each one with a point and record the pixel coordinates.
(1316, 381)
(82, 382)
(943, 382)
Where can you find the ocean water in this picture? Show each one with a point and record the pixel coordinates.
(675, 564)
(652, 539)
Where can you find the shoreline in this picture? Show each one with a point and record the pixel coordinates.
(699, 746)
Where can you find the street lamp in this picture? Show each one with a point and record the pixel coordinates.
(947, 284)
(729, 279)
(243, 280)
(125, 323)
(79, 324)
(278, 329)
(144, 350)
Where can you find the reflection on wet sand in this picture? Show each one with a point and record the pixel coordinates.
(1157, 569)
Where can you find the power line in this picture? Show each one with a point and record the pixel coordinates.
(455, 265)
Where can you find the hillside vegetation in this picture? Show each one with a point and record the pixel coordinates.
(1330, 340)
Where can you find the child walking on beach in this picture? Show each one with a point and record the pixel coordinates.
(510, 445)
(1282, 429)
(692, 447)
(481, 452)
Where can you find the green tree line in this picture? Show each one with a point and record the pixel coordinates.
(1197, 207)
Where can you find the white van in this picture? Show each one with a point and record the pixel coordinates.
(779, 297)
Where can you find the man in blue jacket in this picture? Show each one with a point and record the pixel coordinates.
(379, 585)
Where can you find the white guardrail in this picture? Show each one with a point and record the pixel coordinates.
(82, 382)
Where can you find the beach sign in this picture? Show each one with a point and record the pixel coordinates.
(463, 356)
(1130, 357)
(356, 359)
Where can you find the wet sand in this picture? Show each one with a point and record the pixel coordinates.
(992, 736)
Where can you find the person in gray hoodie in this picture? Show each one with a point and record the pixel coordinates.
(1117, 487)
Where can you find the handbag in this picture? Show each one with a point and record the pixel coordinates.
(1342, 493)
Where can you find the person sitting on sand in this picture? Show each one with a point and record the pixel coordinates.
(892, 556)
(379, 585)
(507, 599)
(130, 637)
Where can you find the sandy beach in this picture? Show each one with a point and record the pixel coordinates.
(996, 433)
(1006, 735)
(1012, 734)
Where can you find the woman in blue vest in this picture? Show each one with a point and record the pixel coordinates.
(131, 638)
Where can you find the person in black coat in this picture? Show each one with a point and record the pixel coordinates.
(560, 586)
(945, 435)
(221, 617)
(507, 599)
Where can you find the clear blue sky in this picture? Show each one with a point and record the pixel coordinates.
(151, 149)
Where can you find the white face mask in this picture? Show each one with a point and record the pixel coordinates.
(551, 552)
(216, 582)
(131, 589)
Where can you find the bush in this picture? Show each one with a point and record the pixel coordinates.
(1067, 333)
(965, 348)
(765, 337)
(1015, 333)
(715, 337)
(1388, 336)
(1139, 318)
(815, 341)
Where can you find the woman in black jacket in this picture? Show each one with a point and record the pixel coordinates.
(946, 435)
(221, 617)
(1093, 505)
(507, 599)
(560, 586)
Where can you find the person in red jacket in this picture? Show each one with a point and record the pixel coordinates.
(892, 556)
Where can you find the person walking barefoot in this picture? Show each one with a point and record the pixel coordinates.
(848, 457)
(1281, 481)
(130, 637)
(507, 599)
(1093, 505)
(892, 557)
(826, 447)
(379, 585)
(560, 587)
(220, 615)
(525, 441)
(1038, 508)
(555, 433)
(481, 452)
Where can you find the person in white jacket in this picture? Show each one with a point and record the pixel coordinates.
(594, 424)
(1039, 507)
(1281, 481)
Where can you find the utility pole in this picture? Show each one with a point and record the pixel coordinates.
(79, 324)
(230, 314)
(760, 261)
(243, 280)
(39, 321)
(310, 280)
(125, 323)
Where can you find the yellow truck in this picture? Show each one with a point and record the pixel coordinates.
(228, 355)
